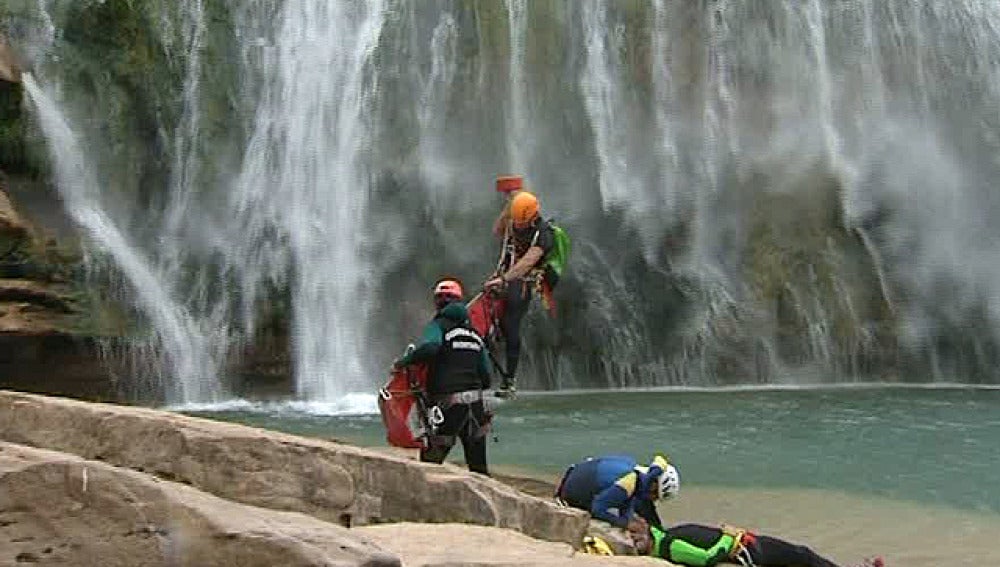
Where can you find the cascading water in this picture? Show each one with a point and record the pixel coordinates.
(519, 131)
(305, 175)
(180, 334)
(757, 191)
(435, 101)
(607, 104)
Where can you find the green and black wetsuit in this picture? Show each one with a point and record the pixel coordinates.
(698, 545)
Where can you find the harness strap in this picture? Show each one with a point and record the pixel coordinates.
(741, 537)
(508, 255)
(470, 421)
(465, 397)
(743, 556)
(506, 252)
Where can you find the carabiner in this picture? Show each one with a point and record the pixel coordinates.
(435, 416)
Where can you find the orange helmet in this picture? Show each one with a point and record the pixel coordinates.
(524, 209)
(447, 290)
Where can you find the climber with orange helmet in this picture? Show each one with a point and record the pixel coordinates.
(459, 372)
(527, 241)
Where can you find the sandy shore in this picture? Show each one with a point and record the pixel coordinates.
(842, 527)
(847, 527)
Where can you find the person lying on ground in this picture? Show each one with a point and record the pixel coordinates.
(698, 545)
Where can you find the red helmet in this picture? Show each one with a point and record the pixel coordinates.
(447, 290)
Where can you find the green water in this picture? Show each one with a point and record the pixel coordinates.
(939, 446)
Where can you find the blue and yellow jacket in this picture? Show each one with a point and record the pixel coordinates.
(613, 488)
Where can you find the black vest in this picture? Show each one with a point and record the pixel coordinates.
(456, 368)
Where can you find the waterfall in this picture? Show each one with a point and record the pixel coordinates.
(184, 173)
(305, 174)
(758, 191)
(603, 89)
(519, 136)
(180, 333)
(436, 167)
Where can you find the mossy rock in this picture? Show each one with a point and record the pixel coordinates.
(813, 273)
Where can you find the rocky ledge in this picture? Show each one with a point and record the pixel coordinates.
(46, 344)
(58, 508)
(338, 483)
(86, 484)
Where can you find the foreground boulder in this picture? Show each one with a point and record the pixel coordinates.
(437, 545)
(58, 508)
(331, 481)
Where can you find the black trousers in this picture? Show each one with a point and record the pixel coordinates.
(766, 551)
(518, 300)
(467, 422)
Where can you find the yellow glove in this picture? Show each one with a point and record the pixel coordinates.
(596, 546)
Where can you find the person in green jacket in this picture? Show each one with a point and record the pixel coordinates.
(459, 371)
(698, 545)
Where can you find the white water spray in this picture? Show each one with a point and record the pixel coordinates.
(306, 177)
(437, 170)
(698, 114)
(604, 98)
(519, 134)
(181, 335)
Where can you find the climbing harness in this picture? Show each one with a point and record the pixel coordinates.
(741, 537)
(744, 557)
(430, 417)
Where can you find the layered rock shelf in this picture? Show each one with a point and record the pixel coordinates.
(81, 481)
(58, 508)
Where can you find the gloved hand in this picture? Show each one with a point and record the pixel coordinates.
(495, 284)
(642, 541)
(637, 524)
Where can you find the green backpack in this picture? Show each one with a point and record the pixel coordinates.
(555, 260)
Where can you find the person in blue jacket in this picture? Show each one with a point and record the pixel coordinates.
(617, 489)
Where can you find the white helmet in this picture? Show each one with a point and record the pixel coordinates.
(669, 482)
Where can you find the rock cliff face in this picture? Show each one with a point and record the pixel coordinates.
(337, 483)
(58, 508)
(45, 345)
(9, 69)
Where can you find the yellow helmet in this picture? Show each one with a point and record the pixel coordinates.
(524, 209)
